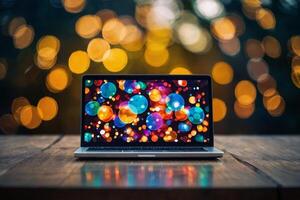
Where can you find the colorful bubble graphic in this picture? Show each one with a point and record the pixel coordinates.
(196, 115)
(125, 113)
(181, 115)
(199, 138)
(108, 90)
(175, 101)
(131, 86)
(154, 121)
(142, 85)
(155, 95)
(118, 123)
(91, 108)
(88, 83)
(184, 127)
(87, 137)
(138, 104)
(105, 113)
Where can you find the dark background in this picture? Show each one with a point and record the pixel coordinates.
(49, 17)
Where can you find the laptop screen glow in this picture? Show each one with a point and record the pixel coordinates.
(146, 111)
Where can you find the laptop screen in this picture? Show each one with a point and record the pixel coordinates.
(146, 110)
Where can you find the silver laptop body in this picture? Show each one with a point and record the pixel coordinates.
(147, 116)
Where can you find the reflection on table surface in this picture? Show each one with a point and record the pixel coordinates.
(147, 174)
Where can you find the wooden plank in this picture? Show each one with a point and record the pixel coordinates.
(275, 156)
(57, 169)
(14, 149)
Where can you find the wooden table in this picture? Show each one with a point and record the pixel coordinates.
(253, 167)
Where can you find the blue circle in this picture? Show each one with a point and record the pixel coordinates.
(91, 108)
(196, 115)
(129, 86)
(118, 123)
(138, 104)
(183, 127)
(175, 101)
(154, 121)
(108, 90)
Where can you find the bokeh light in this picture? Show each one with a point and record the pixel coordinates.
(96, 49)
(156, 58)
(219, 109)
(23, 36)
(222, 73)
(115, 59)
(180, 70)
(114, 31)
(29, 117)
(271, 46)
(47, 108)
(245, 92)
(3, 69)
(223, 28)
(58, 79)
(88, 26)
(209, 9)
(257, 68)
(243, 111)
(265, 18)
(295, 44)
(79, 62)
(254, 49)
(73, 6)
(16, 106)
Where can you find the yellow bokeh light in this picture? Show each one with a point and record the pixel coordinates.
(180, 70)
(133, 40)
(57, 80)
(266, 85)
(79, 62)
(219, 109)
(223, 29)
(272, 46)
(29, 117)
(222, 73)
(254, 49)
(17, 105)
(73, 6)
(156, 58)
(114, 31)
(265, 18)
(47, 108)
(115, 60)
(88, 26)
(243, 111)
(295, 75)
(23, 36)
(295, 44)
(47, 49)
(96, 49)
(275, 105)
(245, 92)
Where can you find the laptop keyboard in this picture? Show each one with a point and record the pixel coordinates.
(147, 149)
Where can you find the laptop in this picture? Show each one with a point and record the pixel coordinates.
(147, 116)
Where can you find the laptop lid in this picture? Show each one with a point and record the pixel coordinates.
(146, 110)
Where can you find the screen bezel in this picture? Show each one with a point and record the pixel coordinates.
(149, 77)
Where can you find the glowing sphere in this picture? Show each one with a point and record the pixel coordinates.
(180, 70)
(114, 60)
(91, 108)
(196, 115)
(96, 49)
(88, 83)
(87, 137)
(47, 108)
(181, 115)
(118, 123)
(154, 121)
(192, 99)
(29, 117)
(155, 95)
(129, 86)
(183, 127)
(138, 104)
(57, 80)
(79, 62)
(88, 26)
(125, 114)
(105, 113)
(108, 90)
(199, 138)
(175, 101)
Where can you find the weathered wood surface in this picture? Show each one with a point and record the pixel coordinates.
(253, 167)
